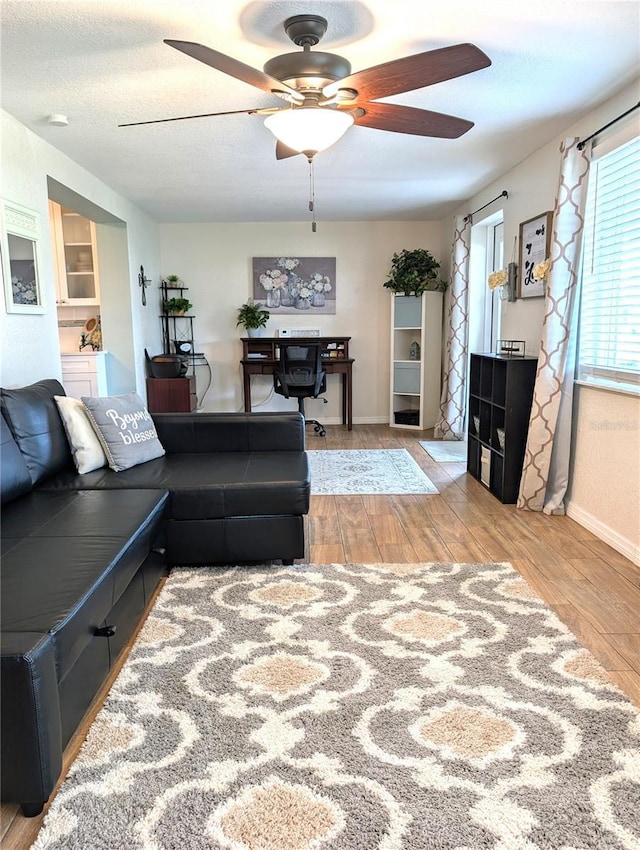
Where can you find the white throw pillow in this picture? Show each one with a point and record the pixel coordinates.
(86, 448)
(125, 429)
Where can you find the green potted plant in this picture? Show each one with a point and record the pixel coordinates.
(414, 272)
(176, 306)
(172, 280)
(252, 317)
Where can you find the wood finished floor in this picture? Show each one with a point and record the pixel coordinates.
(591, 587)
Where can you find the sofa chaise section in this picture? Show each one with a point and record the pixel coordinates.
(78, 570)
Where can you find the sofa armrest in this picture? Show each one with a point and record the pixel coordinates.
(230, 432)
(30, 712)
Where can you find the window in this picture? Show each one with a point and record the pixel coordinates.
(495, 261)
(609, 340)
(483, 306)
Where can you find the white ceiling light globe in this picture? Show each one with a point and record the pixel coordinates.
(309, 129)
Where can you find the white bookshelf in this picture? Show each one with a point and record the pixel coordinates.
(415, 378)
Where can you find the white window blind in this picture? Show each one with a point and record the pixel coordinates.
(609, 341)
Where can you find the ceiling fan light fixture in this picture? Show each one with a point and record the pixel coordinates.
(309, 129)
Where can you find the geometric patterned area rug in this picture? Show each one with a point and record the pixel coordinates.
(366, 471)
(354, 707)
(446, 451)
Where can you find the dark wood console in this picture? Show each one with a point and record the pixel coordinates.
(260, 356)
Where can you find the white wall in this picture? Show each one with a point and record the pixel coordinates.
(605, 495)
(605, 478)
(30, 348)
(215, 262)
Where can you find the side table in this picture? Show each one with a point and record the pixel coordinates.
(172, 395)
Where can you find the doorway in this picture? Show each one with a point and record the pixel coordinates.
(91, 251)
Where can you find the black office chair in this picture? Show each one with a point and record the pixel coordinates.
(299, 374)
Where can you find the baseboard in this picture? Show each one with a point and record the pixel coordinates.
(371, 420)
(626, 547)
(357, 420)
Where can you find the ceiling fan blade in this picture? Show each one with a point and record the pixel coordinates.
(233, 67)
(283, 152)
(415, 122)
(257, 111)
(412, 72)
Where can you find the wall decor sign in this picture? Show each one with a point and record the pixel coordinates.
(291, 285)
(535, 246)
(20, 271)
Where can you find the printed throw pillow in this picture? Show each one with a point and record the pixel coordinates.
(125, 429)
(86, 448)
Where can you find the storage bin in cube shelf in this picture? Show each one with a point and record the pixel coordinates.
(407, 417)
(485, 466)
(406, 378)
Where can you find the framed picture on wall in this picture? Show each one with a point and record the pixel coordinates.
(295, 285)
(20, 268)
(535, 245)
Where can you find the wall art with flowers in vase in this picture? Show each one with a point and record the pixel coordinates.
(295, 285)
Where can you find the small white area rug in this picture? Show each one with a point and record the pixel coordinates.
(446, 451)
(366, 472)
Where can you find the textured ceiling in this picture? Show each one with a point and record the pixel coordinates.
(103, 62)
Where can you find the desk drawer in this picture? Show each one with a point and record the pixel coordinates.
(259, 367)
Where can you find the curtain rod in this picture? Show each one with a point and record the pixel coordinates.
(606, 126)
(503, 194)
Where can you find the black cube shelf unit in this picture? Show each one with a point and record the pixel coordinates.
(500, 396)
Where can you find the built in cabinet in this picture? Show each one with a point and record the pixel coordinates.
(500, 396)
(416, 340)
(75, 257)
(85, 373)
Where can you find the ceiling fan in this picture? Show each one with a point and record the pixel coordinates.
(324, 98)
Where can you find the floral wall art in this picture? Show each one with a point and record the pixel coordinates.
(295, 285)
(19, 259)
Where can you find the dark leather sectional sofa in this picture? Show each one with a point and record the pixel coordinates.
(83, 554)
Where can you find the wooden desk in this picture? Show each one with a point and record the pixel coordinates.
(265, 358)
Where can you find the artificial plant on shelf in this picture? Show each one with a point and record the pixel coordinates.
(176, 306)
(414, 272)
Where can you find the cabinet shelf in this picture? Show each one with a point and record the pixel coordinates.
(501, 392)
(74, 251)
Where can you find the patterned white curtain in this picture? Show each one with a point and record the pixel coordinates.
(545, 473)
(450, 425)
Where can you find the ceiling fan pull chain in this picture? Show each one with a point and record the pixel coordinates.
(312, 195)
